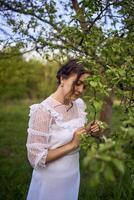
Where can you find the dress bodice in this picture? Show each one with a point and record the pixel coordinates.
(52, 125)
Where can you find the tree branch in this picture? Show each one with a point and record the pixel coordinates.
(22, 11)
(99, 16)
(81, 15)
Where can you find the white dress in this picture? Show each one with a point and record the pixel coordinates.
(52, 126)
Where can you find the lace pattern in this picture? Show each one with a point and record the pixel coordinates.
(41, 117)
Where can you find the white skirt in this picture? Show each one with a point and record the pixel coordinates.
(59, 180)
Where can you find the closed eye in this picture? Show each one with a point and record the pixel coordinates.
(79, 83)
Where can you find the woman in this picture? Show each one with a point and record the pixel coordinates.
(55, 127)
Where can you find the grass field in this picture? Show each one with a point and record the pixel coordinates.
(15, 171)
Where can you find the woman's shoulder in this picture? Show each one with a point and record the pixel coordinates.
(45, 101)
(39, 107)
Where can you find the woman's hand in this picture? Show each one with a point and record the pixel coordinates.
(93, 128)
(77, 134)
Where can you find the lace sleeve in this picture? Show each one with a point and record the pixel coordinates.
(38, 135)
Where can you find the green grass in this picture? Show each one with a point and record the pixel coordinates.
(15, 171)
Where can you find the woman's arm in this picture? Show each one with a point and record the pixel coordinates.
(54, 154)
(38, 140)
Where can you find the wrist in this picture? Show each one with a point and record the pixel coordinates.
(73, 146)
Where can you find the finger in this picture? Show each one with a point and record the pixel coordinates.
(95, 129)
(96, 124)
(92, 127)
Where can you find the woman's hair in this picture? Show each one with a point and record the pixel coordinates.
(73, 66)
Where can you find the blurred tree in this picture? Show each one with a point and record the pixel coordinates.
(21, 79)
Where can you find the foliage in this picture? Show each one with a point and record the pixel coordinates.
(15, 171)
(82, 31)
(111, 159)
(25, 79)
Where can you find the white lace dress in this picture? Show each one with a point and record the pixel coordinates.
(52, 126)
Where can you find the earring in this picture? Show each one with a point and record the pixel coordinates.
(62, 85)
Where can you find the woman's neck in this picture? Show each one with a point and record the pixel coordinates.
(58, 96)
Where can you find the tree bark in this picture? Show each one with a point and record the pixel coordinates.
(106, 110)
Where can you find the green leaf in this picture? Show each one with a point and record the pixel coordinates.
(97, 104)
(108, 174)
(119, 165)
(93, 84)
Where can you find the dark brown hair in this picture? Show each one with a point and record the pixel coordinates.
(73, 66)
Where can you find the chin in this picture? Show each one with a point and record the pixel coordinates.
(75, 97)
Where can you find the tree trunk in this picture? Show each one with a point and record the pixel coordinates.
(106, 111)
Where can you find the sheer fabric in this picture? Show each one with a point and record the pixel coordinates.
(40, 121)
(38, 135)
(52, 125)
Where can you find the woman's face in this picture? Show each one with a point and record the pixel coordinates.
(79, 87)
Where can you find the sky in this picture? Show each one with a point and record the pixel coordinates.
(8, 31)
